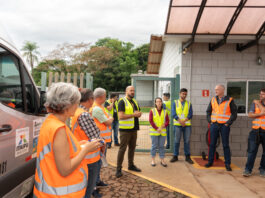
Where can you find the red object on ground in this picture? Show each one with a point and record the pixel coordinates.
(201, 162)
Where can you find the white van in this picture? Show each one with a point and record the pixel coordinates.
(21, 115)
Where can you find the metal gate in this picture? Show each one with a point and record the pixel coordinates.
(147, 88)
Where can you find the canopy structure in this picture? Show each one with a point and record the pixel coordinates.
(226, 19)
(155, 54)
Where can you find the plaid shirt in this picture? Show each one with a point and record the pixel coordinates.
(88, 125)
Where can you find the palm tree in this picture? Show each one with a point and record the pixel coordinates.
(30, 52)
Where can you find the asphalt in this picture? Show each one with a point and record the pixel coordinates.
(195, 180)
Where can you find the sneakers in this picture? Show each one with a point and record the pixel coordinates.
(208, 165)
(189, 160)
(101, 183)
(134, 168)
(246, 173)
(118, 173)
(117, 144)
(228, 167)
(174, 159)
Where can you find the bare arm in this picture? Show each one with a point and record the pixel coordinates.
(109, 121)
(123, 116)
(61, 150)
(261, 107)
(110, 106)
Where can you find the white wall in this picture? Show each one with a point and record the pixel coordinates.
(202, 69)
(170, 64)
(144, 91)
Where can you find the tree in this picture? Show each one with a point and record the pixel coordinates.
(30, 52)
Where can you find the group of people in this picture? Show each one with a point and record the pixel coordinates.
(69, 158)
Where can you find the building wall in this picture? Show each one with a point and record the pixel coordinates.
(144, 92)
(238, 137)
(202, 69)
(170, 65)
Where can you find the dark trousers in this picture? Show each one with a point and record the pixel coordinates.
(253, 147)
(168, 136)
(224, 131)
(92, 177)
(99, 166)
(127, 138)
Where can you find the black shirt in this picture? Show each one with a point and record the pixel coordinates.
(233, 109)
(115, 111)
(121, 107)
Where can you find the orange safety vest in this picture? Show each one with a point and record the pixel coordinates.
(49, 183)
(91, 157)
(258, 122)
(11, 104)
(220, 112)
(105, 131)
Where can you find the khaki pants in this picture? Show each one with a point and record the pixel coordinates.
(127, 138)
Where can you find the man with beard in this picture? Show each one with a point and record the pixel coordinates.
(129, 113)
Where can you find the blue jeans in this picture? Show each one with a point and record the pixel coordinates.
(224, 131)
(99, 167)
(92, 177)
(158, 142)
(253, 149)
(115, 129)
(186, 131)
(168, 136)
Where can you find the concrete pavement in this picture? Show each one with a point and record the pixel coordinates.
(194, 182)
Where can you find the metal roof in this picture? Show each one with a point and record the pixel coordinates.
(155, 54)
(217, 17)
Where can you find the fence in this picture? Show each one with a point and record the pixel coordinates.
(82, 80)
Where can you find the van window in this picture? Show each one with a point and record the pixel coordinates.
(10, 83)
(30, 92)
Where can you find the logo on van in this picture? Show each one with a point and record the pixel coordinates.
(22, 139)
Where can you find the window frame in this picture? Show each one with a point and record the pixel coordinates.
(22, 82)
(247, 88)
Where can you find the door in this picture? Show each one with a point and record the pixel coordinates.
(19, 124)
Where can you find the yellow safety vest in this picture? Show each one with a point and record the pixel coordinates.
(159, 120)
(168, 107)
(111, 112)
(182, 112)
(128, 123)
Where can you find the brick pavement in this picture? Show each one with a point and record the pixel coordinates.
(133, 186)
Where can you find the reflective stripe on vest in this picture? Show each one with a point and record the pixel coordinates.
(258, 122)
(182, 112)
(128, 123)
(91, 156)
(159, 120)
(105, 131)
(221, 113)
(64, 190)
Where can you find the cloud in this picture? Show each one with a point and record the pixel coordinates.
(53, 22)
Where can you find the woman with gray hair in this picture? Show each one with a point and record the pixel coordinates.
(60, 170)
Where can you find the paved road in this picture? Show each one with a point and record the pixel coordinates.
(133, 186)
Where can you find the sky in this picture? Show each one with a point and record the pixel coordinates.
(53, 22)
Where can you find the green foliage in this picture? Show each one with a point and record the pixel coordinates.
(30, 52)
(110, 61)
(146, 109)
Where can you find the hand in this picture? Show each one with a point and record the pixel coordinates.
(163, 126)
(111, 118)
(226, 125)
(103, 148)
(159, 130)
(91, 146)
(137, 114)
(182, 123)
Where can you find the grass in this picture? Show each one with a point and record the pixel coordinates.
(144, 123)
(146, 109)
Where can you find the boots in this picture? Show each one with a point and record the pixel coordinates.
(118, 172)
(189, 160)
